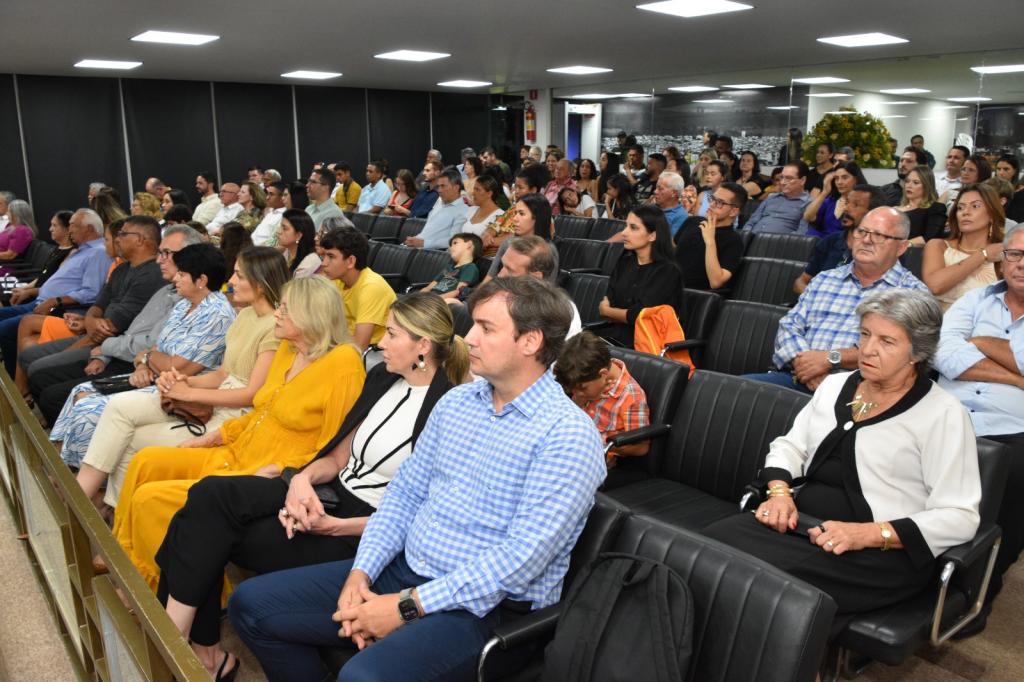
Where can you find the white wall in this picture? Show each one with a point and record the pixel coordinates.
(927, 117)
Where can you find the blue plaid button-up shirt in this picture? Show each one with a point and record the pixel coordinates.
(825, 317)
(490, 504)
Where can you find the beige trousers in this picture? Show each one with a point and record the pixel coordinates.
(134, 420)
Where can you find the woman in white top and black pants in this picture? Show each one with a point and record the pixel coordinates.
(268, 524)
(885, 459)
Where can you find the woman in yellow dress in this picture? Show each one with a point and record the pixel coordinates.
(314, 380)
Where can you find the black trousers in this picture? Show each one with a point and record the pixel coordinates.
(233, 519)
(1011, 513)
(52, 384)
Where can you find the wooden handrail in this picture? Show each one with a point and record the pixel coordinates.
(36, 472)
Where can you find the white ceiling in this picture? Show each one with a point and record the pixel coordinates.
(512, 43)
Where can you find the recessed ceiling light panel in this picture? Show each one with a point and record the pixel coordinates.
(412, 55)
(904, 91)
(693, 88)
(312, 75)
(106, 64)
(830, 94)
(694, 8)
(898, 101)
(748, 86)
(464, 84)
(1006, 68)
(863, 40)
(579, 70)
(593, 95)
(894, 116)
(821, 80)
(841, 113)
(784, 108)
(969, 99)
(713, 101)
(174, 38)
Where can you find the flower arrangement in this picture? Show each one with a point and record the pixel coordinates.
(866, 134)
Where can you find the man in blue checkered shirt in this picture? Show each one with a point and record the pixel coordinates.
(476, 526)
(820, 334)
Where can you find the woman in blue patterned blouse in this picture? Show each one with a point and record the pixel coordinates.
(191, 341)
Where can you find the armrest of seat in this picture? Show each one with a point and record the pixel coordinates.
(599, 324)
(415, 286)
(396, 280)
(967, 554)
(592, 271)
(638, 435)
(685, 345)
(534, 627)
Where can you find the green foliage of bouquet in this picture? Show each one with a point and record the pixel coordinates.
(866, 134)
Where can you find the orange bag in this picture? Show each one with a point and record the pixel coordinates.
(656, 327)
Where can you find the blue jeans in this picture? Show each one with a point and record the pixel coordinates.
(780, 378)
(10, 318)
(284, 616)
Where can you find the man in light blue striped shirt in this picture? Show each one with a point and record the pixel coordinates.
(821, 333)
(477, 524)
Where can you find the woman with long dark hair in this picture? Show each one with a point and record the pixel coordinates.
(295, 196)
(530, 215)
(609, 166)
(618, 197)
(645, 276)
(748, 174)
(297, 236)
(826, 210)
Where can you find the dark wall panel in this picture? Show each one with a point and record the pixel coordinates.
(399, 128)
(73, 137)
(332, 126)
(170, 131)
(460, 120)
(12, 169)
(254, 126)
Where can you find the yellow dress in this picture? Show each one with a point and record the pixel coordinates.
(289, 423)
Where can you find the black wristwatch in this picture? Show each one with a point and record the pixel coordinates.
(58, 303)
(835, 358)
(407, 608)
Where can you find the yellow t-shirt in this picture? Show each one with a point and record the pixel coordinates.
(347, 201)
(367, 302)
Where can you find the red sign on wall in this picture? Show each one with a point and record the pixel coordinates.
(533, 94)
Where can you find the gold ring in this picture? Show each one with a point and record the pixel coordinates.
(830, 544)
(765, 513)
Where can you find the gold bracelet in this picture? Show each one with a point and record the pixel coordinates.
(779, 493)
(780, 489)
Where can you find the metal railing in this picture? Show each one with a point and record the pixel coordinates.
(111, 622)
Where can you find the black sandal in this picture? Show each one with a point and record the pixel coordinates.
(228, 676)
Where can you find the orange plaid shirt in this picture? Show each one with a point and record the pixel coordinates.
(623, 407)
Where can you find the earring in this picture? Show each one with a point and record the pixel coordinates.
(421, 364)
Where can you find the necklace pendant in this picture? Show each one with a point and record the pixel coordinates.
(861, 407)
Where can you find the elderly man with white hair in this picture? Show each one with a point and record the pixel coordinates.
(75, 284)
(820, 334)
(981, 361)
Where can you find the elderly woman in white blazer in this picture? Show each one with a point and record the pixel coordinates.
(882, 465)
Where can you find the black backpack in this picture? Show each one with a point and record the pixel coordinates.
(626, 618)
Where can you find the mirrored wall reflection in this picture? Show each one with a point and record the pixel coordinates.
(943, 98)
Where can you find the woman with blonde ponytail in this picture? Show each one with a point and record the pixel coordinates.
(315, 514)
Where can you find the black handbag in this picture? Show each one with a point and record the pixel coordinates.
(114, 384)
(325, 492)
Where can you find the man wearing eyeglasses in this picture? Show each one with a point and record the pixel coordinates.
(783, 211)
(51, 381)
(230, 208)
(820, 334)
(981, 361)
(319, 189)
(708, 250)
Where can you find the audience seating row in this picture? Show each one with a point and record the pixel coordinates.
(407, 269)
(579, 227)
(587, 255)
(386, 228)
(30, 264)
(713, 443)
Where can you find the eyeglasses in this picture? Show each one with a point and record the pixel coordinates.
(164, 253)
(282, 308)
(862, 234)
(1012, 255)
(229, 191)
(123, 233)
(718, 203)
(788, 178)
